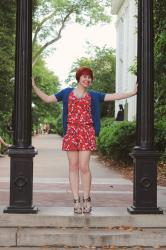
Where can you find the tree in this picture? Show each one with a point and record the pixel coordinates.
(102, 62)
(7, 70)
(49, 83)
(7, 57)
(51, 17)
(160, 58)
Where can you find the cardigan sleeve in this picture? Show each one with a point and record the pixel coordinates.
(59, 95)
(101, 96)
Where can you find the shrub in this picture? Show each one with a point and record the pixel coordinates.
(160, 138)
(117, 140)
(107, 122)
(160, 135)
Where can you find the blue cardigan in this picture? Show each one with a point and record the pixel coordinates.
(96, 98)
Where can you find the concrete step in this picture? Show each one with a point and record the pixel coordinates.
(64, 217)
(90, 237)
(83, 248)
(59, 228)
(84, 237)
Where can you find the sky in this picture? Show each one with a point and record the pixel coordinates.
(73, 45)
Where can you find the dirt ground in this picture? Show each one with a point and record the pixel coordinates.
(127, 170)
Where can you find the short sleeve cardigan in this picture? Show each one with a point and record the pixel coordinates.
(96, 98)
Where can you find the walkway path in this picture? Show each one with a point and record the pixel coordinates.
(51, 185)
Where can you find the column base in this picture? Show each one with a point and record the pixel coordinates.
(21, 181)
(18, 210)
(144, 210)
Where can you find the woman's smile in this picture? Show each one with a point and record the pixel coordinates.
(86, 82)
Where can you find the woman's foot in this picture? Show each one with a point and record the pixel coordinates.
(87, 208)
(77, 206)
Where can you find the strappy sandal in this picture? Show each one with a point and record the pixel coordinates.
(87, 208)
(77, 206)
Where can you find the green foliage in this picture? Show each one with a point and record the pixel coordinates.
(117, 139)
(160, 135)
(6, 136)
(58, 125)
(102, 62)
(48, 82)
(107, 122)
(133, 67)
(7, 57)
(52, 16)
(163, 156)
(160, 58)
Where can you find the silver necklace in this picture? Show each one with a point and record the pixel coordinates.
(78, 95)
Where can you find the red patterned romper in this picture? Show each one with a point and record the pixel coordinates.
(80, 131)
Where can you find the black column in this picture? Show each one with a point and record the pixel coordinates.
(144, 155)
(139, 64)
(22, 152)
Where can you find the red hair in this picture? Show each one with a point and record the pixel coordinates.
(83, 71)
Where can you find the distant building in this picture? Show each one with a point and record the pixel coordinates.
(126, 52)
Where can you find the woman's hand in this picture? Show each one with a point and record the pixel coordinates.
(44, 97)
(33, 82)
(135, 90)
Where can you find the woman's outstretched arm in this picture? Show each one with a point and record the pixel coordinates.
(44, 97)
(119, 96)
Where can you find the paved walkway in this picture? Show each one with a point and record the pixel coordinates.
(51, 185)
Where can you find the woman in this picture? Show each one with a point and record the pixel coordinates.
(81, 125)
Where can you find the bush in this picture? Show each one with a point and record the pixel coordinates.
(163, 156)
(160, 138)
(160, 135)
(107, 122)
(117, 139)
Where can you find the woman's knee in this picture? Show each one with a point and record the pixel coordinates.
(73, 167)
(84, 169)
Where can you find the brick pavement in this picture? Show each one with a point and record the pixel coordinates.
(51, 185)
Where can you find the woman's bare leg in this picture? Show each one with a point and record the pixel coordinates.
(73, 157)
(84, 158)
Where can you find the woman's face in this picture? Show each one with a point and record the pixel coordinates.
(85, 80)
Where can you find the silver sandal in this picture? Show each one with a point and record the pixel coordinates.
(87, 208)
(77, 206)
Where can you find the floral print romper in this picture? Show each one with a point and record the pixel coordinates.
(80, 133)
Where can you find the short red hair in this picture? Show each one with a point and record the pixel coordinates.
(83, 71)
